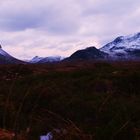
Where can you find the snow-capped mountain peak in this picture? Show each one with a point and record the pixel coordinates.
(38, 59)
(123, 46)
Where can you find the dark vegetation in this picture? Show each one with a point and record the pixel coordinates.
(83, 100)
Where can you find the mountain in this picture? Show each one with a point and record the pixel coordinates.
(50, 59)
(127, 47)
(90, 53)
(36, 59)
(6, 58)
(121, 48)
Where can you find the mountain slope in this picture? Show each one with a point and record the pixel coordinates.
(124, 47)
(50, 59)
(6, 58)
(36, 59)
(90, 53)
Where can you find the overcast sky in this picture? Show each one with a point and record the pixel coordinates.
(60, 27)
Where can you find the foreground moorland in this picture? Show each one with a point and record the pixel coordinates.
(74, 101)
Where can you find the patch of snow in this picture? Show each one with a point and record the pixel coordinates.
(49, 136)
(52, 59)
(36, 59)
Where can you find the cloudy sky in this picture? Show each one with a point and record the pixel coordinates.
(54, 27)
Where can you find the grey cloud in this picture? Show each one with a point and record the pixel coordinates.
(53, 17)
(58, 25)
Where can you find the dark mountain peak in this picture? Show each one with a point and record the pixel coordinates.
(91, 48)
(36, 56)
(90, 53)
(119, 39)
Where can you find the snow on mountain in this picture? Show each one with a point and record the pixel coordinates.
(124, 46)
(36, 59)
(50, 59)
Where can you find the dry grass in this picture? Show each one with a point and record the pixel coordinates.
(79, 101)
(6, 135)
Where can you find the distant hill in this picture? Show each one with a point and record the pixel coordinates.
(50, 59)
(90, 53)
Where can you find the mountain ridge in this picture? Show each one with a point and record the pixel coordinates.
(127, 47)
(90, 53)
(121, 48)
(48, 59)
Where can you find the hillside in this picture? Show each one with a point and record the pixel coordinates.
(90, 53)
(6, 58)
